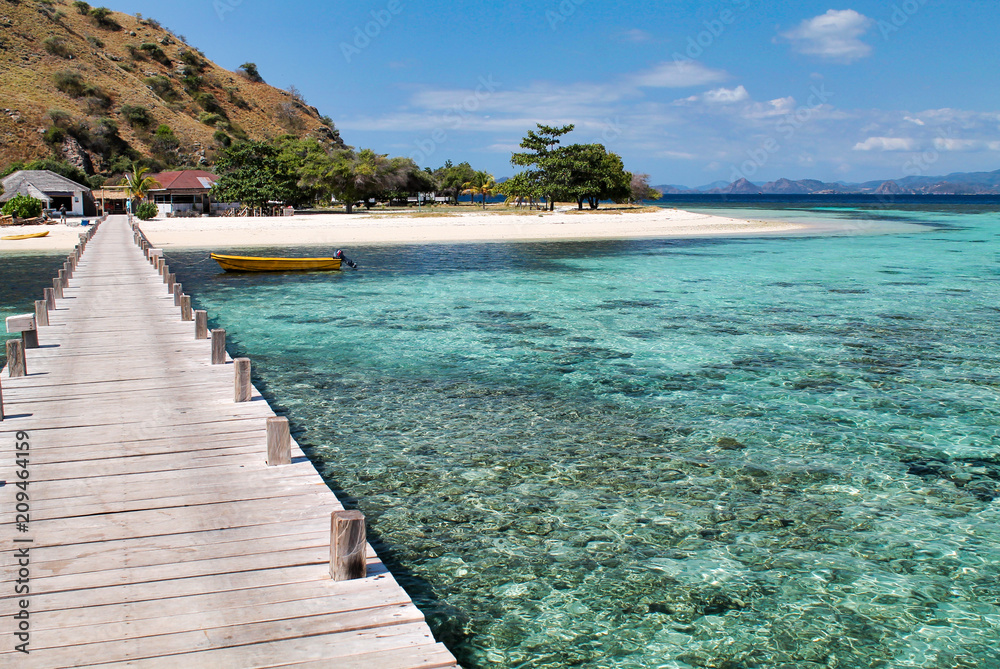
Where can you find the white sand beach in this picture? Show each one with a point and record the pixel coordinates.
(338, 229)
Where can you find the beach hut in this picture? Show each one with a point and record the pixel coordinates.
(182, 192)
(52, 189)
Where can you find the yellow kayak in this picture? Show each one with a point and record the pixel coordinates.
(34, 235)
(252, 264)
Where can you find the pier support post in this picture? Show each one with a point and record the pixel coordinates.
(170, 279)
(17, 365)
(242, 378)
(41, 313)
(186, 314)
(279, 442)
(177, 294)
(63, 279)
(218, 347)
(200, 324)
(50, 299)
(347, 546)
(30, 338)
(1, 402)
(57, 289)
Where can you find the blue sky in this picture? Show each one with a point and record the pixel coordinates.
(688, 92)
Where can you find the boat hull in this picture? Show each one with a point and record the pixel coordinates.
(254, 264)
(34, 235)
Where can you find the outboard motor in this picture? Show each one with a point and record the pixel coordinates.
(344, 259)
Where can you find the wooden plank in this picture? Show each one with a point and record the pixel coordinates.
(161, 536)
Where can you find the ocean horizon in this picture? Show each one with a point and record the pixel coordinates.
(775, 451)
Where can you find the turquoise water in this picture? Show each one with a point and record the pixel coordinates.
(23, 279)
(742, 453)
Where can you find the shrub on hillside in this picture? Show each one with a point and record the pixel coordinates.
(60, 118)
(222, 139)
(137, 116)
(147, 211)
(69, 82)
(95, 42)
(249, 71)
(54, 136)
(155, 52)
(57, 47)
(82, 7)
(208, 102)
(102, 18)
(209, 119)
(22, 206)
(162, 87)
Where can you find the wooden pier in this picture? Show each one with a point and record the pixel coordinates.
(156, 533)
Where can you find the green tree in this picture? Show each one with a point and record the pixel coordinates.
(452, 177)
(540, 147)
(138, 184)
(588, 173)
(252, 173)
(519, 188)
(641, 190)
(249, 71)
(22, 206)
(482, 183)
(352, 177)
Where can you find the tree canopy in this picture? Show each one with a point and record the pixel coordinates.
(253, 173)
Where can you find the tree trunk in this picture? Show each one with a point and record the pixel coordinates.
(350, 206)
(579, 203)
(484, 200)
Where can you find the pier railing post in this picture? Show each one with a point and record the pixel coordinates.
(57, 289)
(242, 380)
(50, 299)
(186, 314)
(347, 546)
(201, 324)
(218, 347)
(17, 365)
(1, 402)
(279, 442)
(178, 290)
(41, 313)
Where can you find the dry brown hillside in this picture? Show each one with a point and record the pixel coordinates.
(67, 76)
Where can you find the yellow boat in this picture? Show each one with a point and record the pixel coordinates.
(34, 235)
(252, 264)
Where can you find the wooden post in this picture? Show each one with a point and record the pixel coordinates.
(68, 268)
(57, 289)
(242, 378)
(30, 338)
(170, 279)
(201, 324)
(41, 313)
(177, 294)
(50, 299)
(218, 347)
(186, 314)
(1, 402)
(347, 546)
(279, 442)
(17, 365)
(63, 280)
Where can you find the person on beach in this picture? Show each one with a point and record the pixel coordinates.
(62, 214)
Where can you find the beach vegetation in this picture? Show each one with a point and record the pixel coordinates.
(249, 72)
(539, 151)
(482, 183)
(165, 143)
(352, 177)
(138, 183)
(641, 190)
(452, 177)
(22, 206)
(147, 211)
(254, 174)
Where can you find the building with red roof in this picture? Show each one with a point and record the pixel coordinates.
(187, 190)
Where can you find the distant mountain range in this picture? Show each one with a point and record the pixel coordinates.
(959, 183)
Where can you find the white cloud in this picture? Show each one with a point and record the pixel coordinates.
(915, 121)
(944, 144)
(727, 95)
(677, 74)
(994, 146)
(886, 144)
(834, 36)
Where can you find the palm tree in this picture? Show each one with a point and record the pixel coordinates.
(138, 185)
(481, 184)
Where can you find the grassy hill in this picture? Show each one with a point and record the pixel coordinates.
(101, 89)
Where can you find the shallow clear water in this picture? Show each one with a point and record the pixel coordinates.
(704, 453)
(23, 279)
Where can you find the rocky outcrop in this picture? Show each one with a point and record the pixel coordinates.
(74, 154)
(889, 188)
